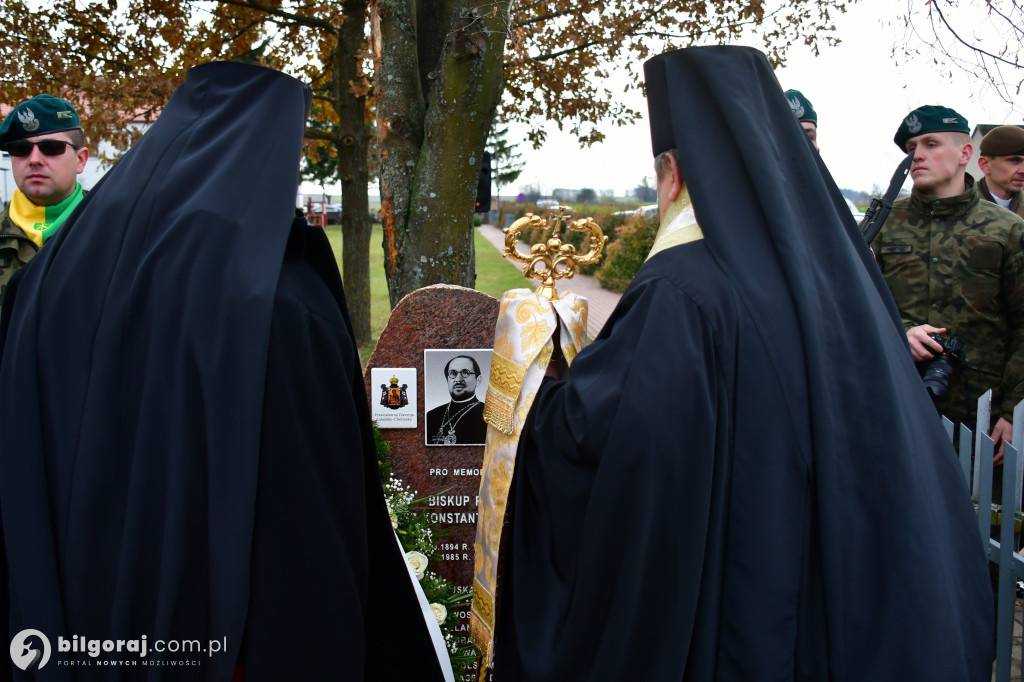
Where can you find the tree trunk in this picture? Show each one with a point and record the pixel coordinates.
(438, 82)
(352, 143)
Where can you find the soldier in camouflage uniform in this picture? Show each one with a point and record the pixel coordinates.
(16, 250)
(955, 266)
(43, 137)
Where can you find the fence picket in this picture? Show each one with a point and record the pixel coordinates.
(965, 451)
(1006, 591)
(981, 427)
(1003, 552)
(985, 453)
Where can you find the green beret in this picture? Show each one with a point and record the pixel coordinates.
(38, 116)
(929, 119)
(801, 107)
(1003, 141)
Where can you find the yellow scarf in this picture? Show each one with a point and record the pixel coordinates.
(42, 222)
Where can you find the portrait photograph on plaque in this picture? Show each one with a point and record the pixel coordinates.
(394, 402)
(454, 387)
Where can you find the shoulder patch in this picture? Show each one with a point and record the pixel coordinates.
(896, 248)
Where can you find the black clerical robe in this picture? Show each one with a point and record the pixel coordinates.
(455, 423)
(673, 518)
(743, 478)
(189, 453)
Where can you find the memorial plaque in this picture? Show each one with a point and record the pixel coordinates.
(456, 386)
(438, 318)
(396, 408)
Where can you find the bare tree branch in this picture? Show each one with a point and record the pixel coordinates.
(319, 134)
(651, 34)
(311, 22)
(938, 10)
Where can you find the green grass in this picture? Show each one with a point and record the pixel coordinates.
(494, 276)
(380, 305)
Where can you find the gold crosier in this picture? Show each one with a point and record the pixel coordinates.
(548, 261)
(553, 259)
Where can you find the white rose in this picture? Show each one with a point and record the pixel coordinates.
(440, 612)
(418, 561)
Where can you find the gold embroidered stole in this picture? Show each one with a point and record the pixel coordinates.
(523, 346)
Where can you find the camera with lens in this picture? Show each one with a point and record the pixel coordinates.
(938, 372)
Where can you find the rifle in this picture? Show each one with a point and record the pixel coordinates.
(879, 209)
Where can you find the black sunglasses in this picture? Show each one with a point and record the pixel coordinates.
(21, 148)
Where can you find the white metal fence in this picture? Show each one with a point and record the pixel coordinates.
(999, 523)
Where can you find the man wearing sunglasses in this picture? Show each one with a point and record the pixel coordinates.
(43, 137)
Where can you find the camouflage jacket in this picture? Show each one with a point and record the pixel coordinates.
(16, 249)
(1016, 201)
(959, 263)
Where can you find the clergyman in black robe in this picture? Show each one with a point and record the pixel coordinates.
(742, 477)
(460, 421)
(188, 450)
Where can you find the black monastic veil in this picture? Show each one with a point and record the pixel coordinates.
(743, 478)
(187, 447)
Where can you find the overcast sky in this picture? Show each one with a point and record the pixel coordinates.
(858, 92)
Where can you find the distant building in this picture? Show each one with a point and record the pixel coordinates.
(979, 132)
(646, 193)
(303, 199)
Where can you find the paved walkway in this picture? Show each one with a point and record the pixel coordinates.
(600, 301)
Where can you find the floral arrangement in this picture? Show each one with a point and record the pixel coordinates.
(416, 534)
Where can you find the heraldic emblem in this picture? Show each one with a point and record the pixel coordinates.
(28, 120)
(913, 123)
(394, 396)
(797, 108)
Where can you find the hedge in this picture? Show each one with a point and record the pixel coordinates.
(627, 253)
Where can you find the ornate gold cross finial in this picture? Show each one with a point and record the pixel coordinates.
(552, 259)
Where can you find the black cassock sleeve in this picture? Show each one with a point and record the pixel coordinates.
(619, 472)
(330, 597)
